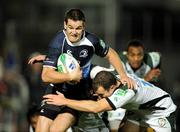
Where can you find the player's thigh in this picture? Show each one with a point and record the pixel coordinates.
(62, 122)
(43, 124)
(129, 126)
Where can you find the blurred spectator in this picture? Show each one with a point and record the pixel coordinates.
(13, 100)
(33, 77)
(14, 89)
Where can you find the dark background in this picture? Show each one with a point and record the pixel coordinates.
(27, 26)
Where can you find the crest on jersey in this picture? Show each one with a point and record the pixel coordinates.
(83, 53)
(161, 122)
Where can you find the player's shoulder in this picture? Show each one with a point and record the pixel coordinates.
(152, 59)
(58, 38)
(92, 37)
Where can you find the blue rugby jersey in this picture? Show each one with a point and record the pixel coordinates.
(82, 51)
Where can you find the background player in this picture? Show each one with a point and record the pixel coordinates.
(146, 65)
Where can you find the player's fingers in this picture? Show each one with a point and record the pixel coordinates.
(130, 83)
(48, 96)
(48, 100)
(133, 83)
(58, 92)
(30, 61)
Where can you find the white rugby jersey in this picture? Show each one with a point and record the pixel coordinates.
(144, 97)
(151, 60)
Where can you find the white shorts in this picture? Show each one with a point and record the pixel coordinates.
(115, 117)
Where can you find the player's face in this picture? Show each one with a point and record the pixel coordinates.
(74, 30)
(135, 56)
(102, 93)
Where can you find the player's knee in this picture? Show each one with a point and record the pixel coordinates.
(55, 128)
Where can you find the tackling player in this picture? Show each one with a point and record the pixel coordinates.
(153, 105)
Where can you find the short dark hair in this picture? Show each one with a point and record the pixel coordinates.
(105, 79)
(135, 43)
(74, 14)
(32, 111)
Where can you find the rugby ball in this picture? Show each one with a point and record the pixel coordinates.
(66, 63)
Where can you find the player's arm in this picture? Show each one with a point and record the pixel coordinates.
(152, 75)
(50, 75)
(38, 58)
(81, 105)
(116, 62)
(153, 59)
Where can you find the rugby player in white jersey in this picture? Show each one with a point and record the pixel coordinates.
(153, 105)
(146, 65)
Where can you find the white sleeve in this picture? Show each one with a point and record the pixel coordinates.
(156, 58)
(120, 97)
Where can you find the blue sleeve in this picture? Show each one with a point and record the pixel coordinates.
(54, 50)
(101, 48)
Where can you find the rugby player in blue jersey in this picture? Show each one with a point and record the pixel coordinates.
(82, 45)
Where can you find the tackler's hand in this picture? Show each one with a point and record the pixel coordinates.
(127, 80)
(55, 99)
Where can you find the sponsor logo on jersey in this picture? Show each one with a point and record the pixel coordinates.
(69, 52)
(122, 90)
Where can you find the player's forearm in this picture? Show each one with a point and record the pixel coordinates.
(116, 62)
(53, 76)
(86, 106)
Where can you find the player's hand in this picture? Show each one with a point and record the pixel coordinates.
(152, 74)
(55, 99)
(126, 80)
(38, 58)
(76, 74)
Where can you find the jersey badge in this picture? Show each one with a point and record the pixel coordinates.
(161, 122)
(83, 53)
